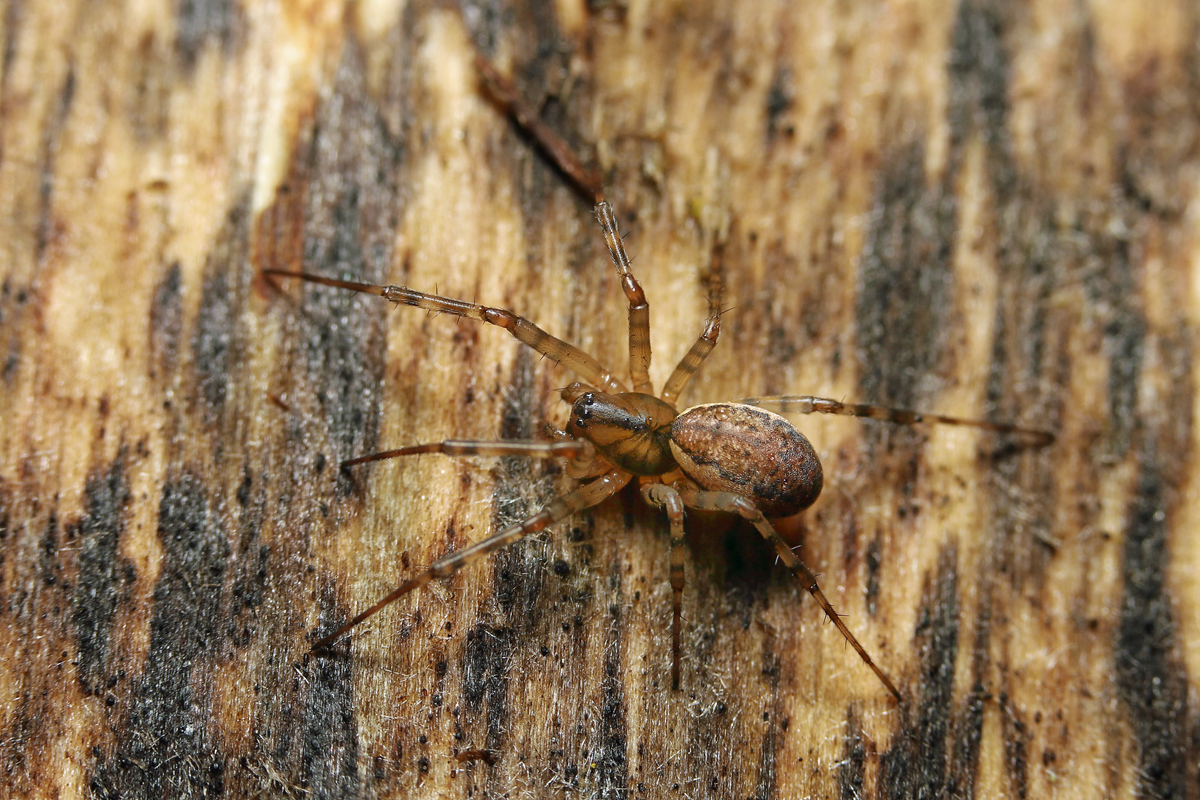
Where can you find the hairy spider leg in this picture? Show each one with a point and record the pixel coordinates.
(588, 182)
(667, 498)
(807, 404)
(737, 504)
(585, 496)
(692, 359)
(571, 449)
(553, 348)
(639, 309)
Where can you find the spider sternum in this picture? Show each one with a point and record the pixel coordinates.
(631, 429)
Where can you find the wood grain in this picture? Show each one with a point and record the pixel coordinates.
(981, 209)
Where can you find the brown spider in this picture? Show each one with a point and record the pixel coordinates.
(741, 458)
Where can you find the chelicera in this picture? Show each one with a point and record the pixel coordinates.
(742, 458)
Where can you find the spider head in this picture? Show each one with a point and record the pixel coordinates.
(631, 430)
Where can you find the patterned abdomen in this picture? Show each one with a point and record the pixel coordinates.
(729, 447)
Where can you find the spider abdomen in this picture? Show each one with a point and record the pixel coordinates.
(729, 447)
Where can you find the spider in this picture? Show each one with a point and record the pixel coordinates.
(741, 458)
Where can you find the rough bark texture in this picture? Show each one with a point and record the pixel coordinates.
(977, 208)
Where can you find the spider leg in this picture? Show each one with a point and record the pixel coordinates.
(585, 496)
(585, 179)
(807, 404)
(572, 448)
(691, 361)
(639, 308)
(744, 506)
(522, 329)
(667, 498)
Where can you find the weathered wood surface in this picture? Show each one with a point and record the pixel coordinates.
(980, 208)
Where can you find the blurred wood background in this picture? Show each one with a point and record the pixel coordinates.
(978, 208)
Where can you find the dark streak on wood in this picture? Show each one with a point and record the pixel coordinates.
(612, 769)
(1016, 748)
(13, 14)
(218, 343)
(51, 132)
(487, 667)
(164, 746)
(1149, 680)
(851, 771)
(199, 23)
(100, 571)
(920, 760)
(166, 325)
(903, 281)
(328, 748)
